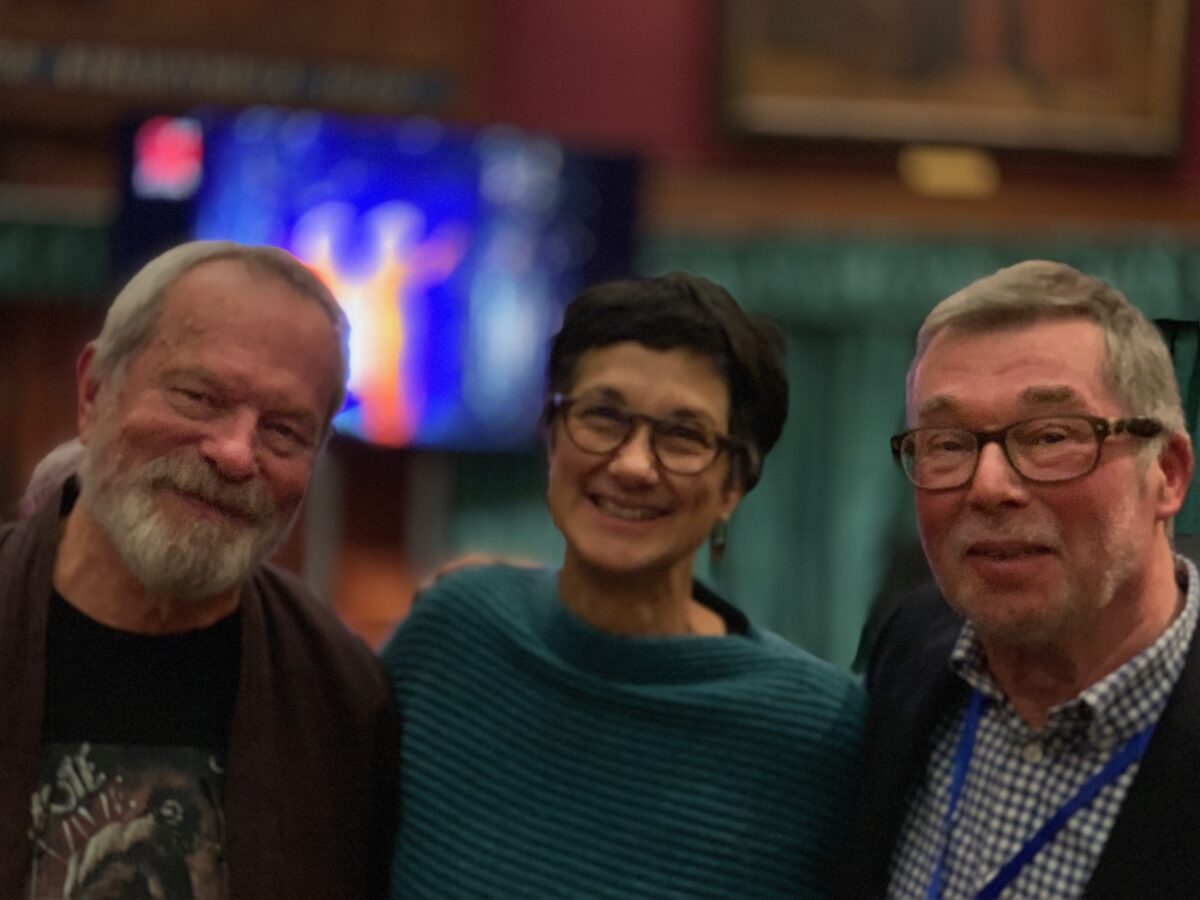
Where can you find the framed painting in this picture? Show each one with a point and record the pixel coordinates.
(1091, 76)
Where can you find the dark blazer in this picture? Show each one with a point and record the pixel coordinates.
(1154, 848)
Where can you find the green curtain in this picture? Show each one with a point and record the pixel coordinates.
(499, 506)
(42, 259)
(1184, 340)
(809, 547)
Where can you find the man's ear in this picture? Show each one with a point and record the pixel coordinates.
(1176, 462)
(87, 390)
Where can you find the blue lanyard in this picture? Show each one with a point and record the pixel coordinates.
(962, 761)
(1126, 755)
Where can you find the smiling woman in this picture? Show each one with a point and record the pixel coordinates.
(613, 726)
(627, 518)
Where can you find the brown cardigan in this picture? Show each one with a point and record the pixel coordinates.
(310, 795)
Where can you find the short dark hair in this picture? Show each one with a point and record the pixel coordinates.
(686, 311)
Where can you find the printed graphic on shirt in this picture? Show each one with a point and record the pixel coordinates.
(123, 822)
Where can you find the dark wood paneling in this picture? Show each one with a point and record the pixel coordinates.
(52, 135)
(38, 344)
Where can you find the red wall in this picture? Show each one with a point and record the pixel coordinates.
(634, 75)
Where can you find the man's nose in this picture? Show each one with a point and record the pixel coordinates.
(232, 445)
(995, 482)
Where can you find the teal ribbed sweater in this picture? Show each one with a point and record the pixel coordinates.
(544, 758)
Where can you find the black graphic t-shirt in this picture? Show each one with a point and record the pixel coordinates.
(129, 796)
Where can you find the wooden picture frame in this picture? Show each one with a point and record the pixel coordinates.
(1090, 76)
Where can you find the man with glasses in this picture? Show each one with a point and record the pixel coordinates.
(1037, 732)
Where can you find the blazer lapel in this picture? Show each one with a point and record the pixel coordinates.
(1152, 850)
(911, 687)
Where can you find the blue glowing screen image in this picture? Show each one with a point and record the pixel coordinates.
(452, 251)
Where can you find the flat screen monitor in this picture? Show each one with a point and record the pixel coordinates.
(452, 251)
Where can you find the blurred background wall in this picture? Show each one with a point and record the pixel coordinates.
(840, 171)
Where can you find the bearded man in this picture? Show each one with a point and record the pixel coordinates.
(146, 649)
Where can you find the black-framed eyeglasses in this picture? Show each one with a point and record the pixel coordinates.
(600, 426)
(1042, 449)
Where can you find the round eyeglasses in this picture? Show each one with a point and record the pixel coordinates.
(1044, 449)
(600, 426)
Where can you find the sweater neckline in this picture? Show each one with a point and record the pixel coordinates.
(644, 659)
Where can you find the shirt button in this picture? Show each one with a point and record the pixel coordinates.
(1032, 752)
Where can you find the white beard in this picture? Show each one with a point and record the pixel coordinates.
(191, 561)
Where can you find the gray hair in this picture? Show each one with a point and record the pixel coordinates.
(1137, 371)
(133, 316)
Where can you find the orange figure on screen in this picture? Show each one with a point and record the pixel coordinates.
(386, 304)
